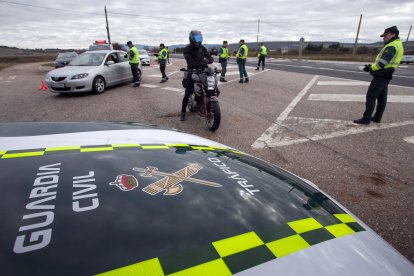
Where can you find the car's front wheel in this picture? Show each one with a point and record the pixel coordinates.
(98, 85)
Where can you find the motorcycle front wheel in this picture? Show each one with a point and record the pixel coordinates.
(213, 115)
(191, 103)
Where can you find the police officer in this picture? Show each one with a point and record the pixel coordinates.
(241, 56)
(196, 56)
(162, 60)
(133, 57)
(262, 56)
(382, 69)
(223, 57)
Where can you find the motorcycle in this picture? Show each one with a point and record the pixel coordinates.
(204, 98)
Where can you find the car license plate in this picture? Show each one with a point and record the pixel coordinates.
(58, 85)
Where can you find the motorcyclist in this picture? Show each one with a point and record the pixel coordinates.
(197, 57)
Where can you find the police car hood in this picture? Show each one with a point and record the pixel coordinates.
(130, 199)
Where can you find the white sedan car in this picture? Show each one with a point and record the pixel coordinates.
(91, 71)
(144, 57)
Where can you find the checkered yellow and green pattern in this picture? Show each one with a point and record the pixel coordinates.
(238, 253)
(102, 148)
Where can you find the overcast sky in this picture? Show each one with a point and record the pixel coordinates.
(77, 23)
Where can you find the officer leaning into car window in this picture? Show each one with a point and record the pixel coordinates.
(241, 56)
(262, 56)
(381, 70)
(133, 57)
(223, 57)
(162, 60)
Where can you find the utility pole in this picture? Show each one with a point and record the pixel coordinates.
(408, 36)
(107, 27)
(356, 39)
(258, 29)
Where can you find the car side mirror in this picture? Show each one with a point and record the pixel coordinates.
(110, 62)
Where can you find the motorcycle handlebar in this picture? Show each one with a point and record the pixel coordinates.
(197, 70)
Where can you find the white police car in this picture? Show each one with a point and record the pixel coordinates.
(129, 199)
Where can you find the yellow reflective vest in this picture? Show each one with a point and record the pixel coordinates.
(163, 54)
(263, 51)
(134, 58)
(246, 50)
(224, 53)
(395, 61)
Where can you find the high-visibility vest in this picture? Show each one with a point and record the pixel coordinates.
(135, 59)
(224, 53)
(244, 56)
(395, 61)
(263, 51)
(162, 54)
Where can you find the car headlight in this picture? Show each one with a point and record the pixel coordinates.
(80, 76)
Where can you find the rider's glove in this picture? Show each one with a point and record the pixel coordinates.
(367, 68)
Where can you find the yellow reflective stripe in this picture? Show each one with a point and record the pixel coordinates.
(287, 245)
(237, 244)
(96, 149)
(216, 268)
(304, 225)
(2, 152)
(218, 148)
(344, 218)
(202, 148)
(339, 230)
(155, 147)
(125, 145)
(63, 148)
(178, 145)
(23, 154)
(150, 267)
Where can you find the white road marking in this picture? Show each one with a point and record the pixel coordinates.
(357, 130)
(232, 73)
(150, 85)
(173, 89)
(11, 77)
(266, 137)
(230, 81)
(344, 83)
(5, 81)
(357, 98)
(160, 76)
(408, 87)
(409, 139)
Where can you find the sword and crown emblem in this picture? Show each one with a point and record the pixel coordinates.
(170, 183)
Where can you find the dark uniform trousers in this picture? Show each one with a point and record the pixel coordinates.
(134, 69)
(378, 90)
(242, 68)
(262, 59)
(223, 63)
(162, 69)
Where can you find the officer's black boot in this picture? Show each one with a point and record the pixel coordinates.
(182, 116)
(241, 81)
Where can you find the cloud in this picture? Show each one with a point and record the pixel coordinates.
(57, 24)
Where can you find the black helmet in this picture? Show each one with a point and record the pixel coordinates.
(196, 38)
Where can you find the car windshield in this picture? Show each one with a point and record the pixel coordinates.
(66, 55)
(88, 59)
(143, 52)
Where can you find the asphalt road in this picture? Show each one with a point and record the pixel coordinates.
(301, 122)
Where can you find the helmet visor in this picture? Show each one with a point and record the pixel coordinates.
(198, 38)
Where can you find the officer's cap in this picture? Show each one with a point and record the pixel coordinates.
(129, 43)
(392, 29)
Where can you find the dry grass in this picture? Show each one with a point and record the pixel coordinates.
(335, 57)
(7, 61)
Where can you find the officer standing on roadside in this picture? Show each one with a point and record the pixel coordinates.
(223, 57)
(162, 60)
(382, 69)
(133, 57)
(241, 56)
(262, 56)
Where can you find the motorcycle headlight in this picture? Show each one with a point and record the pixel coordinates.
(80, 76)
(211, 81)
